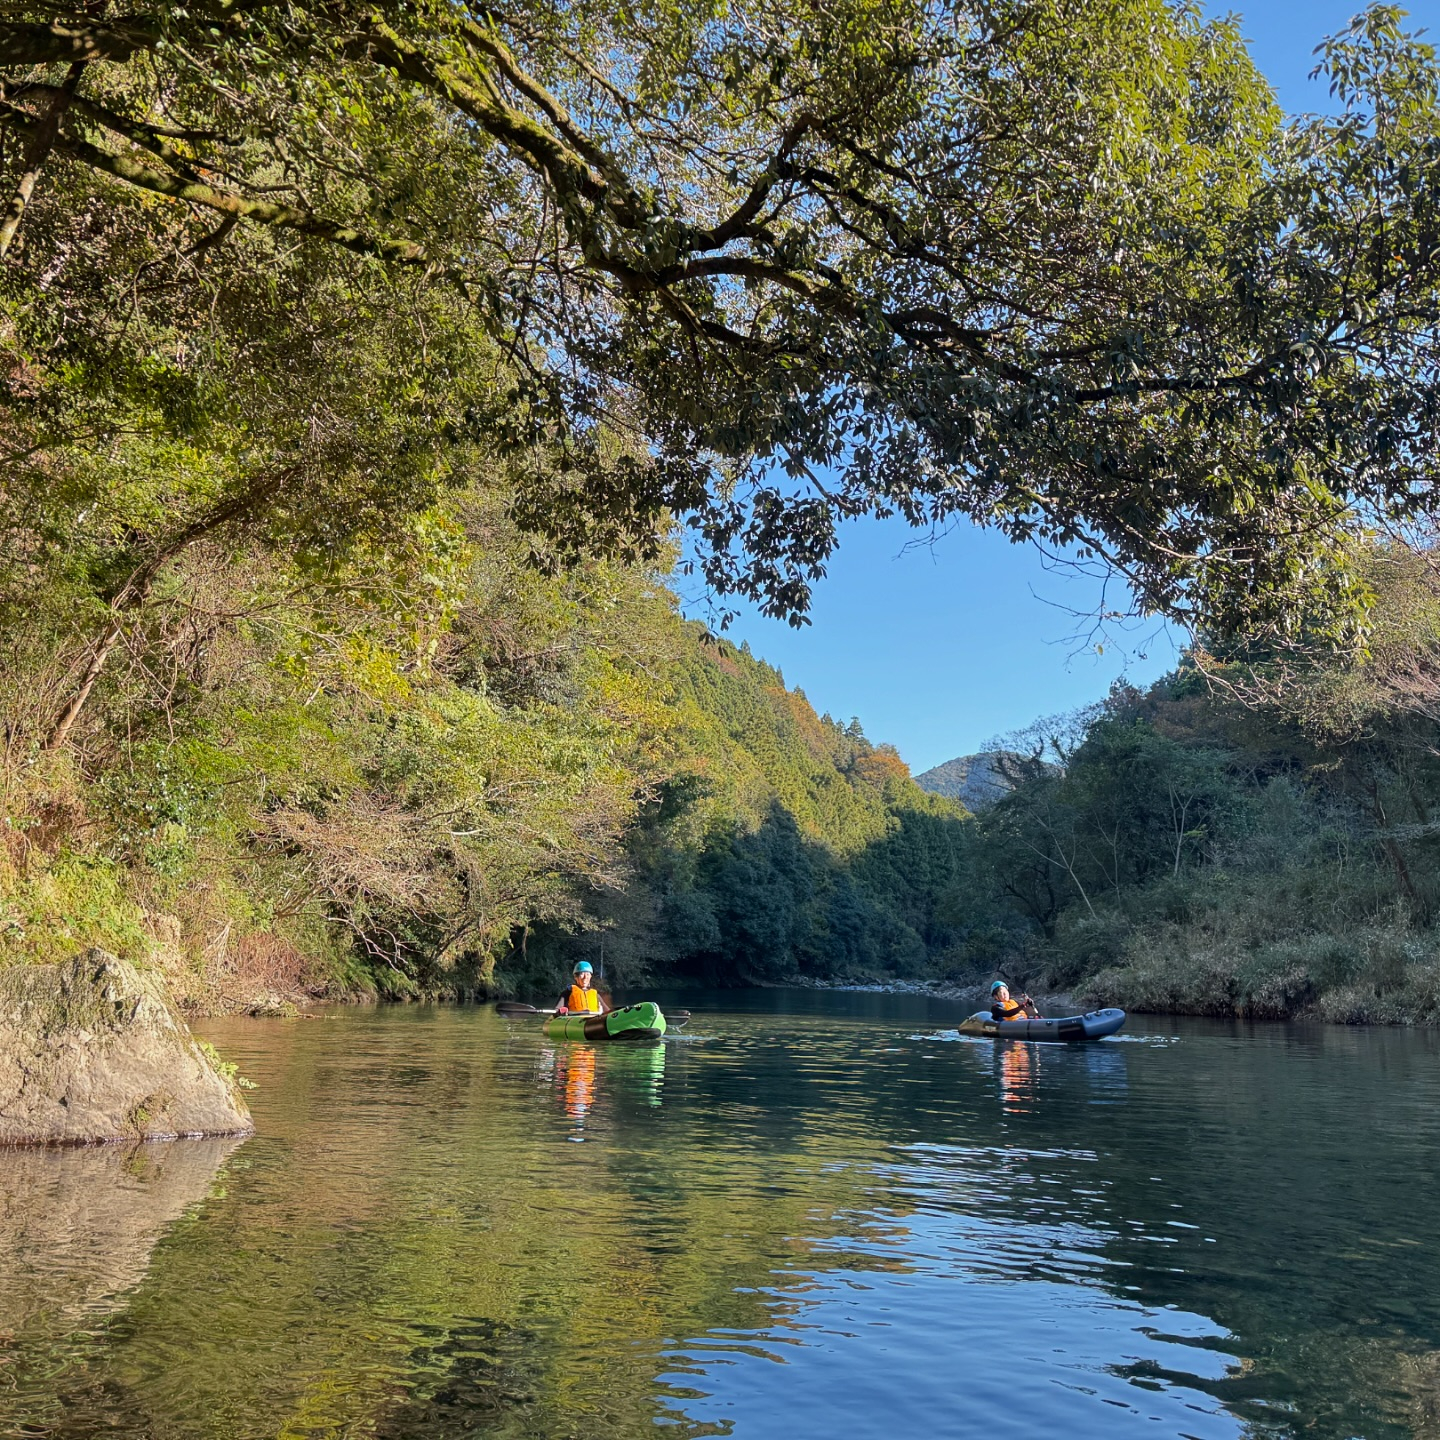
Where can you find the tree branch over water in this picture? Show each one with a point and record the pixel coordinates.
(1063, 272)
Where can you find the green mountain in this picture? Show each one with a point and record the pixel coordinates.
(784, 844)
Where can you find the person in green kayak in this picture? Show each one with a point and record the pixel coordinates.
(1003, 1007)
(582, 995)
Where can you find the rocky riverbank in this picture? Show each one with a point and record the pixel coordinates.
(94, 1050)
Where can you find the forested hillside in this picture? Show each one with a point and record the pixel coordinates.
(785, 844)
(976, 781)
(435, 759)
(295, 693)
(359, 364)
(1248, 836)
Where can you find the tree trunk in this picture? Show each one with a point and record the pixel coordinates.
(136, 590)
(60, 729)
(36, 153)
(1392, 849)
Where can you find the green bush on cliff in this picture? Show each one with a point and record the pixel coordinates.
(417, 780)
(48, 912)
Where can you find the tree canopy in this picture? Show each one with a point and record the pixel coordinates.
(1061, 268)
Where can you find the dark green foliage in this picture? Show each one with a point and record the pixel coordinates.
(1057, 266)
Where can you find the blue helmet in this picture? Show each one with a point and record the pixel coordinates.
(998, 985)
(584, 967)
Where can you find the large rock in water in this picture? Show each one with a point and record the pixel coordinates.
(92, 1050)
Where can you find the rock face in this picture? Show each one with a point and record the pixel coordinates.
(92, 1051)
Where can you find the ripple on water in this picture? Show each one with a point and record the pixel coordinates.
(831, 1221)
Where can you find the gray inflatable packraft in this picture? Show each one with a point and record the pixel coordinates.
(1095, 1025)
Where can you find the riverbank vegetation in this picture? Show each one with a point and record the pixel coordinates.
(1246, 837)
(363, 366)
(387, 779)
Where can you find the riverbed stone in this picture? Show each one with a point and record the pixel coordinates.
(92, 1050)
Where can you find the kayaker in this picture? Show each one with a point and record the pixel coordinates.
(582, 995)
(1002, 1007)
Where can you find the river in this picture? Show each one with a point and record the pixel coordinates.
(809, 1215)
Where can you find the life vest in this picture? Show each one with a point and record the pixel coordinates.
(580, 998)
(1012, 1009)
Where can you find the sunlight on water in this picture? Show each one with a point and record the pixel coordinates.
(807, 1215)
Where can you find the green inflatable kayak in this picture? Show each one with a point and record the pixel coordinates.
(634, 1022)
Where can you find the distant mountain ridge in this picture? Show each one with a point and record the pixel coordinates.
(976, 781)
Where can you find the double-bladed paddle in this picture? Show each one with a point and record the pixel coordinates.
(515, 1008)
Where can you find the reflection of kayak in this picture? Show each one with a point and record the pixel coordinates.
(633, 1022)
(1094, 1026)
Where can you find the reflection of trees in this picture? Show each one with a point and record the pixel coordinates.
(1269, 1180)
(410, 1241)
(1296, 1157)
(410, 1248)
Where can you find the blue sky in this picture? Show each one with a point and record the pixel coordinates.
(938, 649)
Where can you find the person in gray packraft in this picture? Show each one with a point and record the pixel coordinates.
(1002, 1007)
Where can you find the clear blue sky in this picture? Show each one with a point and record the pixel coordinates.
(939, 649)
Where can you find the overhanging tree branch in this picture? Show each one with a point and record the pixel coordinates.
(119, 39)
(197, 192)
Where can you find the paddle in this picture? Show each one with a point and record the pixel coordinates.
(515, 1008)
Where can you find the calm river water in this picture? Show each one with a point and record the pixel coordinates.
(813, 1215)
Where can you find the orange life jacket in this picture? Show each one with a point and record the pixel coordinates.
(580, 998)
(1012, 1009)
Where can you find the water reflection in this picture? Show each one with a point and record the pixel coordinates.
(582, 1075)
(78, 1224)
(833, 1221)
(1105, 1066)
(78, 1229)
(572, 1071)
(1019, 1068)
(638, 1071)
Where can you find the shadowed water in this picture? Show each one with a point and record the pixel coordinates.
(810, 1215)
